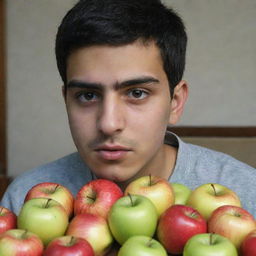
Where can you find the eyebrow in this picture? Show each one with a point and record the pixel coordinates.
(83, 84)
(90, 85)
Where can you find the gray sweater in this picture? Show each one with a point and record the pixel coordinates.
(195, 166)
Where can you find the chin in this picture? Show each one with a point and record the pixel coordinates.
(117, 177)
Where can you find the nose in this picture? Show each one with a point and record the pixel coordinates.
(111, 119)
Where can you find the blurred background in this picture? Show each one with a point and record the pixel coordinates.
(220, 70)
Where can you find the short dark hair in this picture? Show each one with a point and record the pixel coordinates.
(120, 22)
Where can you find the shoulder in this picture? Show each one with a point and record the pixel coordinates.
(201, 156)
(69, 171)
(207, 165)
(63, 171)
(198, 165)
(197, 159)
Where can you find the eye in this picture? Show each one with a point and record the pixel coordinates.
(137, 94)
(87, 97)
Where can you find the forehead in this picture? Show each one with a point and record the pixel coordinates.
(115, 62)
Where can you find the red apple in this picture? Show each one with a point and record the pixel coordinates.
(94, 229)
(54, 191)
(97, 197)
(67, 246)
(157, 189)
(233, 222)
(20, 242)
(177, 225)
(8, 219)
(248, 247)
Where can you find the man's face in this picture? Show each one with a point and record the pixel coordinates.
(118, 104)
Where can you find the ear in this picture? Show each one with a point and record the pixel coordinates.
(178, 101)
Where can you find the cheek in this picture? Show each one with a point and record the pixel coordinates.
(157, 117)
(81, 125)
(150, 125)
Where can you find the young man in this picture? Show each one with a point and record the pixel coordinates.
(122, 63)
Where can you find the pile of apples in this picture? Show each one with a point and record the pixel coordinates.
(152, 217)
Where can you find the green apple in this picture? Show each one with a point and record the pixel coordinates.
(142, 246)
(45, 217)
(132, 215)
(209, 244)
(157, 189)
(208, 197)
(181, 193)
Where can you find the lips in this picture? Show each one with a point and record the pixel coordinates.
(112, 152)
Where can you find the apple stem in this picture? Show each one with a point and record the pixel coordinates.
(150, 180)
(215, 192)
(56, 187)
(90, 197)
(131, 199)
(24, 234)
(72, 241)
(236, 214)
(211, 238)
(149, 243)
(193, 215)
(47, 203)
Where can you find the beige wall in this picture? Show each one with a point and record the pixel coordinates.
(37, 124)
(221, 61)
(221, 68)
